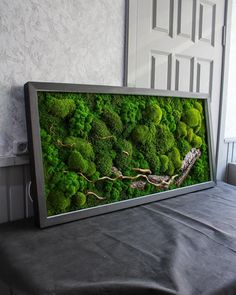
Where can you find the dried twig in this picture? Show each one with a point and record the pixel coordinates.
(51, 130)
(95, 195)
(133, 177)
(64, 145)
(85, 177)
(108, 178)
(171, 179)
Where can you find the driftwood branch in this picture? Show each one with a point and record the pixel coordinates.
(188, 163)
(164, 181)
(116, 171)
(138, 184)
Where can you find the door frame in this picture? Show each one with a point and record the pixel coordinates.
(130, 71)
(221, 149)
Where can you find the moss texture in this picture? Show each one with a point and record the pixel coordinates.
(84, 136)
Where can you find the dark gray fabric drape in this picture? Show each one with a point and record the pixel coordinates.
(184, 245)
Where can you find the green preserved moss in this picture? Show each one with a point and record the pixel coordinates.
(81, 145)
(77, 162)
(124, 146)
(91, 169)
(190, 134)
(182, 129)
(115, 195)
(171, 168)
(60, 108)
(95, 145)
(57, 202)
(124, 151)
(196, 141)
(140, 134)
(198, 106)
(174, 156)
(164, 163)
(113, 121)
(165, 139)
(99, 129)
(153, 114)
(66, 182)
(50, 151)
(81, 122)
(104, 164)
(192, 117)
(138, 159)
(184, 147)
(79, 199)
(103, 146)
(153, 159)
(131, 114)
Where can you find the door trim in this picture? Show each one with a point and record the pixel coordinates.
(221, 150)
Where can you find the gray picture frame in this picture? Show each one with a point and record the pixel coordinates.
(36, 163)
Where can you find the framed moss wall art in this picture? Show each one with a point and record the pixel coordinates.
(97, 149)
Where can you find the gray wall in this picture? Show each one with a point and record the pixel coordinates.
(74, 41)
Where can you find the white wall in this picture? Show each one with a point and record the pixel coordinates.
(230, 130)
(75, 41)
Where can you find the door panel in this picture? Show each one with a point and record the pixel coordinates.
(184, 66)
(204, 75)
(162, 16)
(207, 15)
(185, 18)
(160, 70)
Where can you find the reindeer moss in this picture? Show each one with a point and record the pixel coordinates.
(84, 136)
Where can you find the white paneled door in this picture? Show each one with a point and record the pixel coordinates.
(177, 45)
